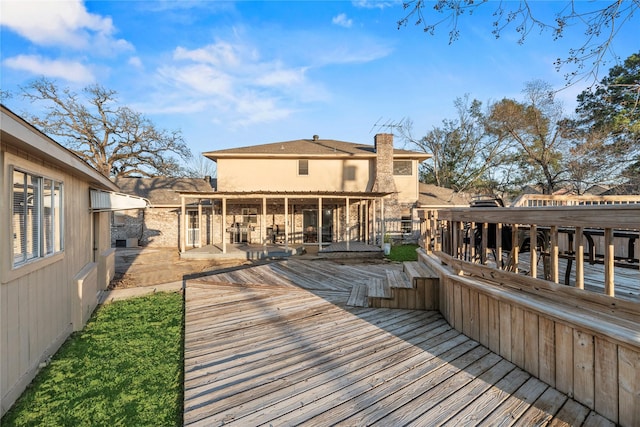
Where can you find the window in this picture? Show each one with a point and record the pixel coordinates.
(406, 224)
(402, 167)
(303, 167)
(37, 224)
(349, 173)
(249, 215)
(119, 219)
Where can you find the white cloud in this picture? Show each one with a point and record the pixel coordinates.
(61, 23)
(136, 62)
(342, 20)
(376, 4)
(68, 70)
(233, 80)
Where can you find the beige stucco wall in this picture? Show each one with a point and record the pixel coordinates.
(282, 175)
(324, 175)
(38, 299)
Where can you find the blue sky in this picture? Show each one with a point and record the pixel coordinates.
(230, 74)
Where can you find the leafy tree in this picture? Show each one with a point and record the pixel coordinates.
(462, 153)
(601, 22)
(535, 130)
(115, 140)
(610, 111)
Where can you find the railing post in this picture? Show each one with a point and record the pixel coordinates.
(515, 247)
(499, 246)
(533, 244)
(609, 262)
(579, 254)
(483, 249)
(472, 242)
(553, 253)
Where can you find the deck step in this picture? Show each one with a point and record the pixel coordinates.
(378, 288)
(398, 279)
(358, 296)
(416, 270)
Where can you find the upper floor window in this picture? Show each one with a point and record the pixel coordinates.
(402, 167)
(303, 167)
(37, 223)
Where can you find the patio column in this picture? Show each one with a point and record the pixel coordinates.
(263, 224)
(347, 222)
(319, 233)
(183, 224)
(200, 221)
(374, 219)
(383, 223)
(223, 224)
(286, 224)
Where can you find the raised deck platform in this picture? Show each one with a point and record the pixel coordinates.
(276, 344)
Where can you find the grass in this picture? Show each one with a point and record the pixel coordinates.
(124, 369)
(403, 253)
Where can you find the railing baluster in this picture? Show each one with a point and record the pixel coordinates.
(515, 247)
(472, 242)
(485, 236)
(499, 246)
(609, 262)
(579, 254)
(533, 244)
(553, 253)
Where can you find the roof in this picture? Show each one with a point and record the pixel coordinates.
(315, 147)
(163, 190)
(432, 195)
(17, 132)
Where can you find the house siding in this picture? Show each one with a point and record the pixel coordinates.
(39, 300)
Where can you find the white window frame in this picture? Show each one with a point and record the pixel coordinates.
(38, 230)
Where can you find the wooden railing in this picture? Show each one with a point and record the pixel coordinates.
(496, 237)
(583, 343)
(540, 200)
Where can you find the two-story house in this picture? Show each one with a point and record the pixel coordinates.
(305, 192)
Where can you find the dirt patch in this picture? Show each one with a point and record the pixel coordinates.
(152, 266)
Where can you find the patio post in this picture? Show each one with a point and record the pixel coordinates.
(183, 223)
(286, 224)
(319, 232)
(263, 225)
(374, 219)
(200, 222)
(223, 224)
(383, 222)
(347, 223)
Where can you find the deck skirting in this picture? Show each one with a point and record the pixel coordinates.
(591, 355)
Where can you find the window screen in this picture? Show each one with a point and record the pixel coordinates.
(37, 216)
(303, 167)
(402, 167)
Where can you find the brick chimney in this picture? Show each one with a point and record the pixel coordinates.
(383, 143)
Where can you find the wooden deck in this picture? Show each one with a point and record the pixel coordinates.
(275, 344)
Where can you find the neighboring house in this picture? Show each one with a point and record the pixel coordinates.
(159, 224)
(54, 247)
(432, 196)
(307, 192)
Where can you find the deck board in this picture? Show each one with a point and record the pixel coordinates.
(277, 344)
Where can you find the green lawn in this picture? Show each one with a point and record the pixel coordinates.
(124, 369)
(403, 253)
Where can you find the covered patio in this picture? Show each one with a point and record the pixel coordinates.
(280, 221)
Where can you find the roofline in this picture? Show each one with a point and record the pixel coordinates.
(211, 155)
(294, 194)
(16, 131)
